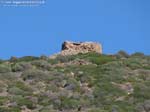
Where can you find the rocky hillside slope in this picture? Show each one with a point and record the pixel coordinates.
(77, 83)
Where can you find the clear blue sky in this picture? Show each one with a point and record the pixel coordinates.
(117, 24)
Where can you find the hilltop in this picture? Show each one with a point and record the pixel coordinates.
(83, 82)
(73, 48)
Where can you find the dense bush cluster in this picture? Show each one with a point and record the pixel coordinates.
(79, 83)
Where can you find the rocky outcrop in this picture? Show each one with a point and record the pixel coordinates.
(72, 48)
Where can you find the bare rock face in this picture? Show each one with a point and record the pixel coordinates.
(72, 48)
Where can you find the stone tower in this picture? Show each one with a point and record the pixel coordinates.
(72, 48)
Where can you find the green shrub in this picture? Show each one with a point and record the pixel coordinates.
(41, 64)
(35, 74)
(68, 103)
(138, 54)
(15, 91)
(21, 85)
(22, 101)
(63, 59)
(3, 100)
(141, 91)
(60, 59)
(19, 88)
(9, 109)
(122, 54)
(105, 93)
(143, 106)
(86, 55)
(44, 57)
(144, 74)
(28, 58)
(101, 59)
(17, 67)
(47, 109)
(123, 106)
(25, 59)
(72, 84)
(8, 76)
(4, 68)
(97, 110)
(1, 61)
(146, 67)
(133, 63)
(22, 66)
(52, 61)
(43, 100)
(26, 102)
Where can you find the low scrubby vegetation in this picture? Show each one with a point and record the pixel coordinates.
(79, 83)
